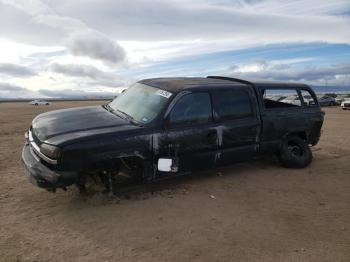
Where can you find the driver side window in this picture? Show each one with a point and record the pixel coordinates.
(191, 109)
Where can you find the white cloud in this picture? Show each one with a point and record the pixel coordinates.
(245, 22)
(36, 22)
(89, 41)
(95, 45)
(338, 74)
(77, 94)
(301, 7)
(12, 91)
(109, 79)
(262, 22)
(8, 69)
(78, 70)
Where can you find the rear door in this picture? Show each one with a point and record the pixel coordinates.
(236, 113)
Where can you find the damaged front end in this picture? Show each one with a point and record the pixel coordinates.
(41, 170)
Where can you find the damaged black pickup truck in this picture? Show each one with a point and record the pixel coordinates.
(166, 127)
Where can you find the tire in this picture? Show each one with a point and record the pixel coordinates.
(295, 153)
(332, 104)
(36, 104)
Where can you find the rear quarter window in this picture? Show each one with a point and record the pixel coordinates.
(281, 98)
(231, 104)
(308, 99)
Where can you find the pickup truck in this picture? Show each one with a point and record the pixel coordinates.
(165, 127)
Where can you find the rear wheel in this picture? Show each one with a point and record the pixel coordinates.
(295, 153)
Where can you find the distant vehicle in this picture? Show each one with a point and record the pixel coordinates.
(326, 101)
(281, 98)
(339, 100)
(345, 104)
(38, 102)
(293, 100)
(166, 127)
(308, 100)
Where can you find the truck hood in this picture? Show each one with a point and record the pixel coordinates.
(76, 122)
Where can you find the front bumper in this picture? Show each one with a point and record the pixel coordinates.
(42, 176)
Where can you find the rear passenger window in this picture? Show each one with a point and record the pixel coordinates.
(307, 98)
(281, 98)
(230, 104)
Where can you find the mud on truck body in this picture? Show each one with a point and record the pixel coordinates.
(166, 127)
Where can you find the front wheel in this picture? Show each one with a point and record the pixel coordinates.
(295, 153)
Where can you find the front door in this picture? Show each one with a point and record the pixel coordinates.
(189, 137)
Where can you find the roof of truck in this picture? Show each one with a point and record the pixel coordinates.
(175, 84)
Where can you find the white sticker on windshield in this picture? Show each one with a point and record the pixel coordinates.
(164, 93)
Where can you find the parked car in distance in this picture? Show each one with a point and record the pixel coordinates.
(166, 127)
(38, 102)
(294, 100)
(326, 100)
(339, 100)
(345, 104)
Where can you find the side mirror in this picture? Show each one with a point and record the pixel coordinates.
(165, 164)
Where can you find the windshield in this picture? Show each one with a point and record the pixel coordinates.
(142, 103)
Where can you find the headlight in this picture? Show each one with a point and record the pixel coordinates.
(50, 151)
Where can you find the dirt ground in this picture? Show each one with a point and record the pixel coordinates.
(254, 211)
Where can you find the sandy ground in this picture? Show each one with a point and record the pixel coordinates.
(256, 211)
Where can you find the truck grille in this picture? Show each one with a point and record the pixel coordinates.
(35, 144)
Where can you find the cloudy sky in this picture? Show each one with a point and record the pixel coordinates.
(60, 48)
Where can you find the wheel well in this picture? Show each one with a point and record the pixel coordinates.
(113, 173)
(131, 162)
(125, 163)
(301, 134)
